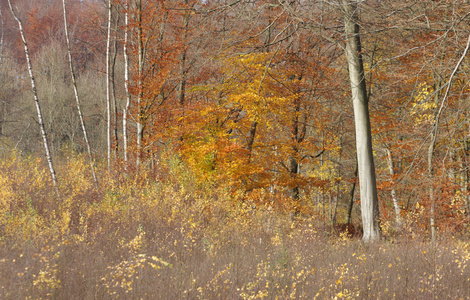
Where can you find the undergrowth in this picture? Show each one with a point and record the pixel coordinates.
(166, 236)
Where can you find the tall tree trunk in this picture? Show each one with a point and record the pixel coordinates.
(294, 170)
(113, 90)
(293, 162)
(432, 197)
(365, 157)
(465, 173)
(2, 115)
(351, 196)
(77, 99)
(36, 101)
(2, 34)
(126, 84)
(108, 88)
(2, 101)
(393, 192)
(338, 174)
(431, 148)
(299, 130)
(184, 54)
(140, 42)
(251, 138)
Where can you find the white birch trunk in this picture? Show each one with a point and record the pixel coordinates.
(36, 101)
(126, 83)
(140, 73)
(108, 89)
(465, 174)
(432, 197)
(77, 99)
(365, 158)
(393, 192)
(2, 35)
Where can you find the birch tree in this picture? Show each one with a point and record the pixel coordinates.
(77, 99)
(140, 41)
(36, 101)
(2, 33)
(108, 88)
(126, 81)
(391, 170)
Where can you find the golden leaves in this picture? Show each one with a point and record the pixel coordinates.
(424, 105)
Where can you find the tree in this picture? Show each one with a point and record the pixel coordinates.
(365, 157)
(140, 74)
(108, 85)
(126, 83)
(155, 50)
(36, 101)
(77, 99)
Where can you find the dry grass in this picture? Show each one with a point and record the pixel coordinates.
(172, 238)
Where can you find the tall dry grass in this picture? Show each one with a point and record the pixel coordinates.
(166, 236)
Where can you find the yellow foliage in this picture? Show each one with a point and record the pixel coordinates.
(122, 276)
(423, 105)
(245, 139)
(188, 238)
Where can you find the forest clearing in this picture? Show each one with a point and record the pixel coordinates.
(271, 149)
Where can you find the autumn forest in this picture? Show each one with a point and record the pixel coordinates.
(234, 149)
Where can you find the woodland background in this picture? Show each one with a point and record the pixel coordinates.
(221, 136)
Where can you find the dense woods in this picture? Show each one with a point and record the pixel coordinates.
(186, 144)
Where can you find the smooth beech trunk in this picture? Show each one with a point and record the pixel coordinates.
(36, 101)
(77, 99)
(365, 157)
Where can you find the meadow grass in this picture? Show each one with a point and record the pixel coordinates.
(167, 236)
